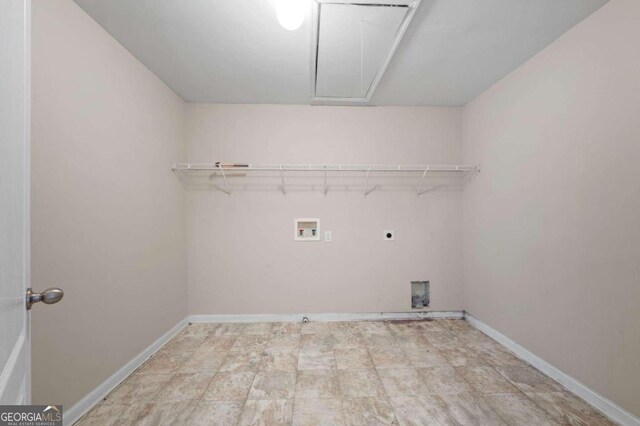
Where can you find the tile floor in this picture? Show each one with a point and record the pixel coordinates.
(343, 373)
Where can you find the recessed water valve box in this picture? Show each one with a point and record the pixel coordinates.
(306, 229)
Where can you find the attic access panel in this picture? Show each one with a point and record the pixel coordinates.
(353, 44)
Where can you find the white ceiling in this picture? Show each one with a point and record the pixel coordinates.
(235, 51)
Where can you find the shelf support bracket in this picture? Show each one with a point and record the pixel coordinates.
(326, 188)
(282, 187)
(226, 182)
(431, 189)
(366, 183)
(422, 181)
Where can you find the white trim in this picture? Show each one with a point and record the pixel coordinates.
(603, 404)
(26, 389)
(13, 374)
(328, 317)
(83, 406)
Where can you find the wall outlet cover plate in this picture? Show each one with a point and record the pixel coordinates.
(389, 235)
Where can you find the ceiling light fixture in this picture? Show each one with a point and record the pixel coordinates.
(291, 13)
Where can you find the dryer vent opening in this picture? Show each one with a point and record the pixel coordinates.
(420, 297)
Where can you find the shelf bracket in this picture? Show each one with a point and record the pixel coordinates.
(366, 183)
(431, 189)
(422, 181)
(226, 182)
(326, 188)
(282, 187)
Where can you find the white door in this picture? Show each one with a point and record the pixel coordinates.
(15, 357)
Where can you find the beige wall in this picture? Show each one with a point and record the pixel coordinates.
(242, 257)
(108, 214)
(551, 231)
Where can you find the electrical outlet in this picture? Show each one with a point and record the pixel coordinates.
(389, 235)
(327, 236)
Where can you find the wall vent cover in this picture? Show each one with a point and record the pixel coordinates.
(353, 43)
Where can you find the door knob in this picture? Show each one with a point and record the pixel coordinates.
(49, 296)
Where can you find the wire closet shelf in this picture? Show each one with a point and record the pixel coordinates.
(364, 178)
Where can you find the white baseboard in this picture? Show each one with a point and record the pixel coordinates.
(603, 404)
(328, 317)
(83, 406)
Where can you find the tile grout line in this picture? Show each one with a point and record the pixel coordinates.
(208, 383)
(500, 416)
(342, 408)
(228, 353)
(527, 396)
(449, 364)
(295, 382)
(333, 352)
(494, 342)
(479, 394)
(393, 409)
